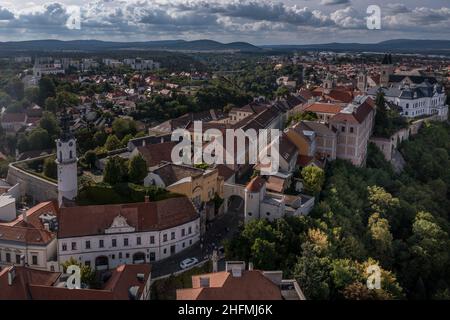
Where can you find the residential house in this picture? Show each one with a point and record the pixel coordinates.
(126, 282)
(239, 283)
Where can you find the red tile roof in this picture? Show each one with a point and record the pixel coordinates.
(14, 117)
(154, 154)
(323, 108)
(251, 285)
(144, 216)
(31, 284)
(255, 184)
(358, 116)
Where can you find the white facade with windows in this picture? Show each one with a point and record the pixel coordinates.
(36, 256)
(417, 100)
(122, 244)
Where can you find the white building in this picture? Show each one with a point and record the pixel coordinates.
(30, 239)
(47, 66)
(66, 159)
(106, 236)
(259, 204)
(141, 64)
(415, 100)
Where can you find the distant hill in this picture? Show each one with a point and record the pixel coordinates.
(97, 45)
(397, 45)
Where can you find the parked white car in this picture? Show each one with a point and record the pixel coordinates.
(188, 263)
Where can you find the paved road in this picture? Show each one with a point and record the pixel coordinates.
(223, 227)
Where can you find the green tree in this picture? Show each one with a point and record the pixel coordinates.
(115, 171)
(87, 274)
(51, 104)
(121, 127)
(32, 94)
(112, 143)
(381, 237)
(50, 168)
(312, 272)
(313, 179)
(90, 157)
(282, 92)
(137, 169)
(49, 123)
(263, 253)
(15, 89)
(46, 89)
(39, 139)
(100, 138)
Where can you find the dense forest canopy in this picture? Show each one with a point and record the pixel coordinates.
(367, 216)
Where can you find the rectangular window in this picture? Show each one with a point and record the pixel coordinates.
(138, 241)
(125, 242)
(74, 246)
(120, 255)
(101, 243)
(343, 129)
(172, 236)
(183, 232)
(88, 244)
(351, 129)
(34, 260)
(127, 255)
(114, 243)
(8, 257)
(64, 247)
(165, 238)
(152, 239)
(190, 230)
(18, 258)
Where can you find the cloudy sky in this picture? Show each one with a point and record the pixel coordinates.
(255, 21)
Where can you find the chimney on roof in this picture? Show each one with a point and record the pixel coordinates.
(236, 272)
(11, 275)
(24, 215)
(140, 277)
(215, 259)
(204, 282)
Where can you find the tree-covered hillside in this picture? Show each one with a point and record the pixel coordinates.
(367, 216)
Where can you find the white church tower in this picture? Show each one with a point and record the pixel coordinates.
(66, 159)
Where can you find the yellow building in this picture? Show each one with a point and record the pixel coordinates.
(197, 184)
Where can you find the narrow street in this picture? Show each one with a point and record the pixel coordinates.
(223, 227)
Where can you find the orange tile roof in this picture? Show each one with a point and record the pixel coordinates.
(255, 184)
(31, 284)
(251, 285)
(154, 154)
(323, 108)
